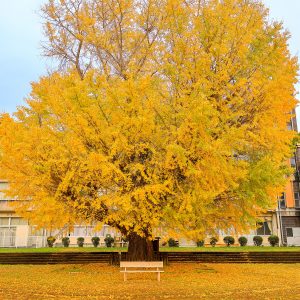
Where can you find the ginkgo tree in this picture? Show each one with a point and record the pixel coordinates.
(163, 114)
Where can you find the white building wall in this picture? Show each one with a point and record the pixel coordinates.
(22, 235)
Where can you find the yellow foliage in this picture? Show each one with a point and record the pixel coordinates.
(169, 114)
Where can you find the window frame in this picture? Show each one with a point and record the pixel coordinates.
(286, 232)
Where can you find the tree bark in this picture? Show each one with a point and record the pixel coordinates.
(139, 248)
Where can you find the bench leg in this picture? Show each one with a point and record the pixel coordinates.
(125, 276)
(158, 276)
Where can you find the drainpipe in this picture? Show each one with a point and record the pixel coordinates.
(297, 177)
(279, 221)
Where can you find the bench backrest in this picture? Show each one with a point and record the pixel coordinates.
(141, 264)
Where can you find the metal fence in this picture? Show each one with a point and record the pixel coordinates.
(36, 241)
(7, 239)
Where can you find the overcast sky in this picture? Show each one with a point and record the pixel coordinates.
(20, 36)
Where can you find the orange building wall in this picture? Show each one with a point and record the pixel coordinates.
(289, 194)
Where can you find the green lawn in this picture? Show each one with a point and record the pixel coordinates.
(163, 249)
(229, 249)
(61, 249)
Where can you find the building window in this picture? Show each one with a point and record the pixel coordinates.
(282, 202)
(297, 199)
(90, 230)
(293, 162)
(4, 221)
(3, 185)
(79, 231)
(263, 229)
(290, 125)
(34, 231)
(296, 183)
(289, 232)
(18, 221)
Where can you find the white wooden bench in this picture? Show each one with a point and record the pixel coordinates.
(141, 267)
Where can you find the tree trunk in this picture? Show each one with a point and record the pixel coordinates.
(139, 248)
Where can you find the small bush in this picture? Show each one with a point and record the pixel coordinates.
(229, 240)
(65, 241)
(243, 241)
(173, 243)
(80, 241)
(273, 240)
(257, 240)
(200, 243)
(50, 241)
(109, 240)
(95, 241)
(213, 241)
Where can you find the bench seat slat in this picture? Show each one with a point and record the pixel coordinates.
(141, 264)
(141, 271)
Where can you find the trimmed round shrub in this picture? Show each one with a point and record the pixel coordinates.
(173, 243)
(273, 240)
(213, 241)
(65, 241)
(50, 241)
(257, 240)
(229, 240)
(200, 243)
(243, 241)
(95, 241)
(80, 241)
(109, 240)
